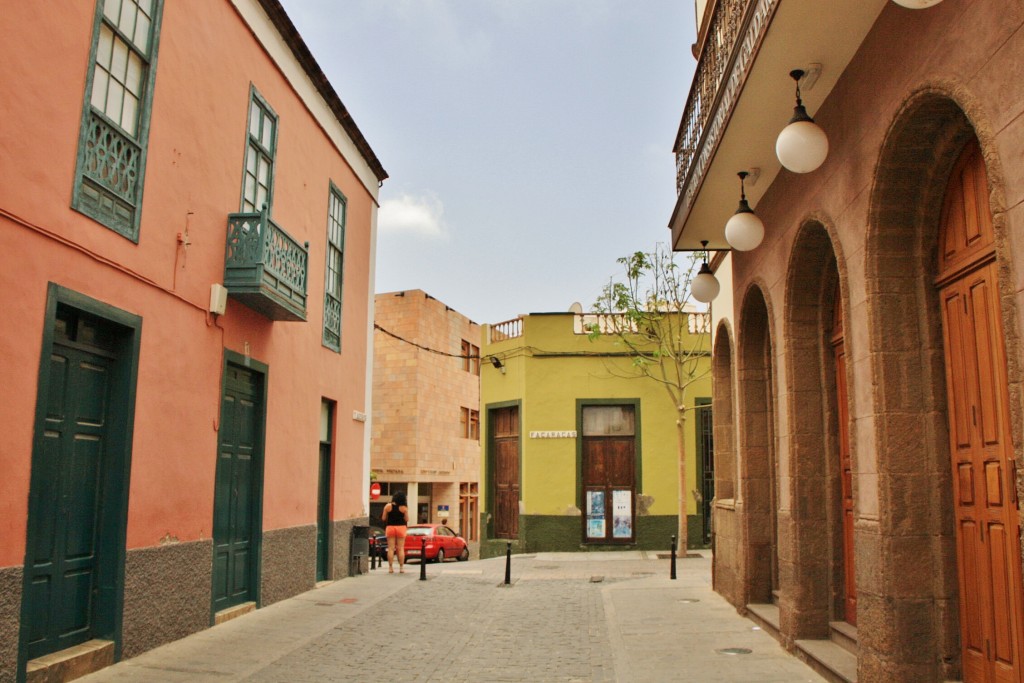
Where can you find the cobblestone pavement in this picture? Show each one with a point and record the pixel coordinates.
(565, 618)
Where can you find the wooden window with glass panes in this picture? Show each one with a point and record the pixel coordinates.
(115, 119)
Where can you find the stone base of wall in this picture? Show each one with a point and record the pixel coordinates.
(561, 533)
(289, 563)
(726, 564)
(10, 617)
(341, 564)
(166, 594)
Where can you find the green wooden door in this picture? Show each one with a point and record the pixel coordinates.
(65, 509)
(235, 505)
(323, 512)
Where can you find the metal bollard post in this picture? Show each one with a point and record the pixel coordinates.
(373, 554)
(508, 563)
(423, 558)
(672, 571)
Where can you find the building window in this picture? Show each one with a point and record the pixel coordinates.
(335, 265)
(469, 424)
(261, 143)
(115, 118)
(470, 357)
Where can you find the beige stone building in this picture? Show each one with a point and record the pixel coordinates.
(426, 409)
(868, 365)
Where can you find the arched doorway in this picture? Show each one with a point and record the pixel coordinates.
(725, 533)
(758, 468)
(821, 465)
(983, 473)
(913, 516)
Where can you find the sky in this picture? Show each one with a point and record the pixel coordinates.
(528, 142)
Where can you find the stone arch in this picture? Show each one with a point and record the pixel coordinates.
(912, 507)
(814, 561)
(758, 485)
(722, 412)
(726, 537)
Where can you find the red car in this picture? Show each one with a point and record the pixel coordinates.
(441, 543)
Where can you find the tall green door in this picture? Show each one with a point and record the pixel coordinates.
(64, 525)
(323, 512)
(80, 468)
(237, 489)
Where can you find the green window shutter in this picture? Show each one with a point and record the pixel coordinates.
(115, 117)
(260, 148)
(333, 279)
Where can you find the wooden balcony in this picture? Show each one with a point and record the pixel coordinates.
(265, 268)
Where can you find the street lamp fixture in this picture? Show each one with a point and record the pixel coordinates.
(802, 145)
(744, 230)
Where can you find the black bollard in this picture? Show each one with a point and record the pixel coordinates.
(508, 564)
(672, 571)
(423, 558)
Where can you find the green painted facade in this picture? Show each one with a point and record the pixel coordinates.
(550, 369)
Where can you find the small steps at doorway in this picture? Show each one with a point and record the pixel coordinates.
(71, 663)
(835, 658)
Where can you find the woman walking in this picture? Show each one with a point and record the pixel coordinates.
(396, 520)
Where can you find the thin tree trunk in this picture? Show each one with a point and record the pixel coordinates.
(684, 545)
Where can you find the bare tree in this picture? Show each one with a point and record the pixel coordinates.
(650, 313)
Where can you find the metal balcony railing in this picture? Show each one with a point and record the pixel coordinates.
(730, 43)
(264, 267)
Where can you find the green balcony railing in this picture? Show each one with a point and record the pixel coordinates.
(264, 268)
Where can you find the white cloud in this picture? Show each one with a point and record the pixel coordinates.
(418, 216)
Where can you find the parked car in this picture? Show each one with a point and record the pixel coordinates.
(441, 543)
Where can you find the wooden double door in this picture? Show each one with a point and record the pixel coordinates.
(609, 473)
(983, 471)
(504, 423)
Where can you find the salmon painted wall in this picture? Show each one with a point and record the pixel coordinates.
(207, 59)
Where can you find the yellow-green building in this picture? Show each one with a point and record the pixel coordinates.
(580, 449)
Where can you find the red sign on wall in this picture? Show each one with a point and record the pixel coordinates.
(374, 491)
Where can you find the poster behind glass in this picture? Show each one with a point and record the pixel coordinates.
(595, 514)
(622, 514)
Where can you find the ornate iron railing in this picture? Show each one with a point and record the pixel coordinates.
(264, 267)
(734, 33)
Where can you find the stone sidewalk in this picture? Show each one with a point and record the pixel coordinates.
(566, 617)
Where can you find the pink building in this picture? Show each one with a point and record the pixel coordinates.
(426, 409)
(174, 454)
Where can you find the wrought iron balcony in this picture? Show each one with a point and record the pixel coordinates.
(264, 267)
(717, 57)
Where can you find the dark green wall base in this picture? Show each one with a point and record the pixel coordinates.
(10, 617)
(558, 533)
(166, 594)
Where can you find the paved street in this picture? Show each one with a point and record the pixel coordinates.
(566, 617)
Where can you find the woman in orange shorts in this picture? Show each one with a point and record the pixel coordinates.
(396, 519)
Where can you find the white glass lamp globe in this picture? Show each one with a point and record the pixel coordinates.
(705, 286)
(802, 146)
(744, 231)
(916, 4)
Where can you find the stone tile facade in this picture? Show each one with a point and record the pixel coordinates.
(423, 389)
(921, 87)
